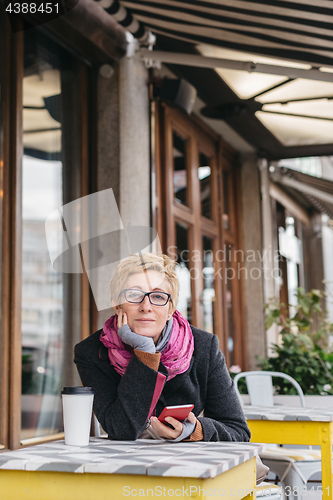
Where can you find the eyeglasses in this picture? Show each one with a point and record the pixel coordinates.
(138, 296)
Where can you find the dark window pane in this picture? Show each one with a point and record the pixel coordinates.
(179, 169)
(204, 175)
(226, 202)
(208, 298)
(183, 272)
(45, 110)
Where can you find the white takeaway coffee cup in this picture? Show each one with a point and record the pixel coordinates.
(77, 405)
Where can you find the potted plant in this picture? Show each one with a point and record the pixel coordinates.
(303, 350)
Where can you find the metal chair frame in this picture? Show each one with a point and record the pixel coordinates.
(261, 392)
(293, 475)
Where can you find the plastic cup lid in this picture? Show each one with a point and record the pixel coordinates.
(77, 390)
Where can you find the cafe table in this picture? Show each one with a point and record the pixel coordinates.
(125, 469)
(299, 426)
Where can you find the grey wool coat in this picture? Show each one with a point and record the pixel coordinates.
(122, 404)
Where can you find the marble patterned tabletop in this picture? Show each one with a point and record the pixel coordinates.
(287, 413)
(145, 457)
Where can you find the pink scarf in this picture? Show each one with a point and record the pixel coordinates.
(176, 356)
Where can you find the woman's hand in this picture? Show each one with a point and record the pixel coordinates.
(131, 338)
(121, 319)
(166, 432)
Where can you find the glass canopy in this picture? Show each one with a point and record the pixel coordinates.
(297, 111)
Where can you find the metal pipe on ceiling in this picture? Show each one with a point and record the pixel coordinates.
(214, 62)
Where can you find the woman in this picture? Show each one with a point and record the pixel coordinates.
(147, 357)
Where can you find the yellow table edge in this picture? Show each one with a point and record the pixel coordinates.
(300, 432)
(236, 483)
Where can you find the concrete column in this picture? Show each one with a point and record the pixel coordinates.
(108, 134)
(316, 252)
(327, 233)
(267, 227)
(134, 143)
(123, 150)
(252, 240)
(270, 283)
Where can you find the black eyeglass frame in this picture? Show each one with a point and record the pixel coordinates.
(144, 296)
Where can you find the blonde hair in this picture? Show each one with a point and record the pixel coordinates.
(141, 263)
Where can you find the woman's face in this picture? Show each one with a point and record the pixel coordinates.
(144, 318)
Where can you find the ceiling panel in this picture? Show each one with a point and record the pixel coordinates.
(299, 89)
(295, 131)
(319, 108)
(247, 85)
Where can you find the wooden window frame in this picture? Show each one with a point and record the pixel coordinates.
(232, 237)
(167, 212)
(11, 276)
(11, 239)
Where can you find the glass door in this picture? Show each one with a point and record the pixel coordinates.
(50, 179)
(197, 214)
(44, 164)
(189, 200)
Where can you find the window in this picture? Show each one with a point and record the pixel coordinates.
(180, 178)
(42, 287)
(183, 271)
(44, 125)
(291, 254)
(208, 294)
(226, 201)
(197, 217)
(205, 178)
(47, 171)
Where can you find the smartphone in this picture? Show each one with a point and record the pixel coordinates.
(179, 412)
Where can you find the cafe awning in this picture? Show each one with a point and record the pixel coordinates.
(309, 191)
(273, 79)
(300, 30)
